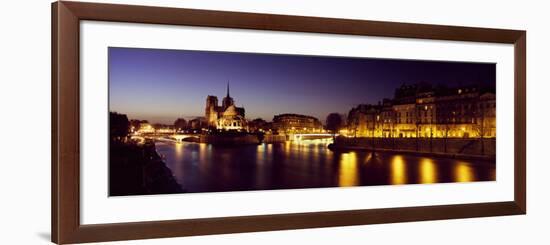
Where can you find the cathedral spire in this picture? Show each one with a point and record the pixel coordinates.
(227, 101)
(227, 88)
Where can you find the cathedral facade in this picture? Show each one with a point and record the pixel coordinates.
(224, 117)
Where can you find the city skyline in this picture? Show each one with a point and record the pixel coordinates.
(163, 85)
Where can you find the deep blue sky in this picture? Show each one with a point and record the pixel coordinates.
(162, 85)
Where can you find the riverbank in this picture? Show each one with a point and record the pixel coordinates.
(137, 169)
(467, 149)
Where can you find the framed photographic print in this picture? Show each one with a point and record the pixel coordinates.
(176, 122)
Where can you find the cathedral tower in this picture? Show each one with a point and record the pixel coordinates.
(227, 100)
(211, 112)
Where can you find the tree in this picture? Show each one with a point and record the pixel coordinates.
(334, 122)
(446, 129)
(118, 126)
(480, 126)
(392, 133)
(431, 134)
(180, 124)
(135, 124)
(417, 123)
(374, 119)
(257, 124)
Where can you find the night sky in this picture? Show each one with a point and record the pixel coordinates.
(163, 85)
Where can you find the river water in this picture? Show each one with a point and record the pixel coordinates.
(306, 164)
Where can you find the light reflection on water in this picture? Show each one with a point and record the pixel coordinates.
(348, 170)
(428, 171)
(464, 172)
(398, 170)
(307, 164)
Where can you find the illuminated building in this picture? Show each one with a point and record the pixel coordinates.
(165, 130)
(387, 121)
(421, 111)
(425, 114)
(405, 115)
(224, 117)
(231, 120)
(364, 121)
(146, 128)
(486, 115)
(466, 112)
(295, 123)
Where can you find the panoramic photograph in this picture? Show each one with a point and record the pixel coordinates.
(183, 121)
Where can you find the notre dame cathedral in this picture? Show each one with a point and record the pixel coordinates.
(225, 117)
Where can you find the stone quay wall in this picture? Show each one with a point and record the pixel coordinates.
(229, 140)
(454, 146)
(274, 138)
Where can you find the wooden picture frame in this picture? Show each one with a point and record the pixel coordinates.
(66, 225)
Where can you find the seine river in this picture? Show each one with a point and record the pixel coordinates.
(306, 164)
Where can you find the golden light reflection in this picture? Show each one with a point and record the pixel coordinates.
(398, 170)
(203, 152)
(261, 148)
(287, 147)
(348, 170)
(179, 149)
(261, 152)
(463, 172)
(428, 171)
(328, 155)
(315, 151)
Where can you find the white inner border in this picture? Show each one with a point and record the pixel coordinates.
(97, 207)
